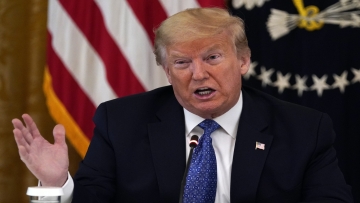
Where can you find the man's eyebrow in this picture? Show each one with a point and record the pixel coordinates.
(213, 48)
(176, 54)
(218, 48)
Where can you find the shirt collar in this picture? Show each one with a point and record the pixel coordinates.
(229, 121)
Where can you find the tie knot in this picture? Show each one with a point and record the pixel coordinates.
(209, 126)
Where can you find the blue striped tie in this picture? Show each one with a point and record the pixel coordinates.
(201, 180)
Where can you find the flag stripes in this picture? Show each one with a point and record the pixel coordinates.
(172, 7)
(150, 14)
(78, 56)
(99, 50)
(65, 85)
(211, 3)
(132, 39)
(59, 111)
(116, 65)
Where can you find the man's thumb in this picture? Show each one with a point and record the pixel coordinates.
(59, 134)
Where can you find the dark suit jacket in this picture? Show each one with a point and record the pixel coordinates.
(137, 153)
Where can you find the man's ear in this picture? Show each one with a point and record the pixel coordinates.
(245, 62)
(167, 72)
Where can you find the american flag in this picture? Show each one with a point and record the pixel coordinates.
(259, 145)
(100, 50)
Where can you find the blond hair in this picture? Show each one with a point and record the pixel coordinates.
(197, 23)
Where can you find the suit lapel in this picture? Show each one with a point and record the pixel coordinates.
(167, 141)
(247, 161)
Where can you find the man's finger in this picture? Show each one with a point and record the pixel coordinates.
(20, 141)
(23, 130)
(59, 134)
(24, 155)
(27, 136)
(31, 125)
(17, 124)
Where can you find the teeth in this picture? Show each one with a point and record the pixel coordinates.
(205, 92)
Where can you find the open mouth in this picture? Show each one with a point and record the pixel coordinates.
(204, 91)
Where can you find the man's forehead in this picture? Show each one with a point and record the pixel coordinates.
(181, 49)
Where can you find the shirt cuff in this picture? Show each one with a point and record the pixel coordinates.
(68, 189)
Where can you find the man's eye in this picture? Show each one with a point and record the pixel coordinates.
(180, 62)
(213, 57)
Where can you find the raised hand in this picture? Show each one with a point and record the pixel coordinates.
(48, 162)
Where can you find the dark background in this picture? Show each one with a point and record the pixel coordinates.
(327, 51)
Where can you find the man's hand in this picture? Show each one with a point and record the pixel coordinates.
(48, 162)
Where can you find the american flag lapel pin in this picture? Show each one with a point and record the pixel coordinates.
(259, 145)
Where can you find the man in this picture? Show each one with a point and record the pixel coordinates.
(265, 150)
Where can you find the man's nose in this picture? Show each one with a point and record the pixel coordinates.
(199, 71)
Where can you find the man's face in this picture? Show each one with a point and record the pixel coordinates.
(206, 74)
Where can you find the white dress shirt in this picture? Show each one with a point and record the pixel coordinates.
(68, 188)
(223, 140)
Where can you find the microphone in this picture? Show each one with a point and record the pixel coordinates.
(193, 143)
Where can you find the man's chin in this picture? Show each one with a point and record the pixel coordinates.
(207, 111)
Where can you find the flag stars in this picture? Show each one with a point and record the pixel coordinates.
(265, 76)
(251, 71)
(356, 75)
(282, 81)
(340, 81)
(300, 84)
(319, 84)
(249, 4)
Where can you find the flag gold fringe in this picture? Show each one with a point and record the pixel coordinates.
(59, 113)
